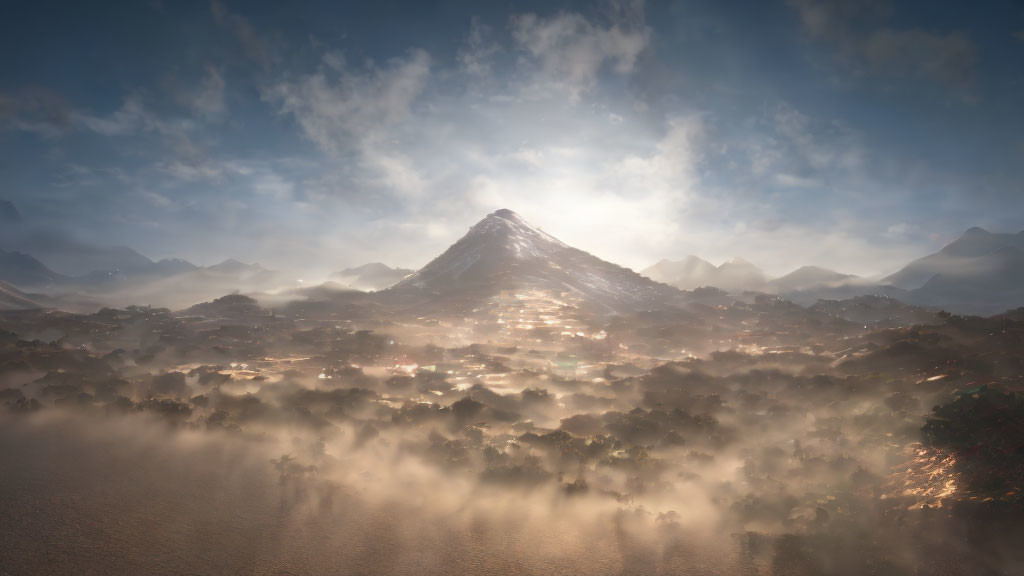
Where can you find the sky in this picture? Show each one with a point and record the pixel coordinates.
(312, 136)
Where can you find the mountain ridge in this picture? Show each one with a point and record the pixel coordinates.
(693, 272)
(371, 276)
(954, 259)
(504, 252)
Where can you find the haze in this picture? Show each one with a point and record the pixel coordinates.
(612, 288)
(325, 136)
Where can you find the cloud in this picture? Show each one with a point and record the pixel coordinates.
(339, 109)
(566, 52)
(131, 117)
(672, 170)
(530, 158)
(815, 144)
(175, 135)
(476, 55)
(915, 54)
(790, 151)
(191, 172)
(899, 231)
(448, 157)
(37, 111)
(46, 114)
(839, 18)
(253, 45)
(351, 111)
(793, 181)
(636, 199)
(157, 199)
(259, 178)
(208, 102)
(860, 35)
(532, 117)
(77, 175)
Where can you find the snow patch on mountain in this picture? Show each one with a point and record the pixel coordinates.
(503, 252)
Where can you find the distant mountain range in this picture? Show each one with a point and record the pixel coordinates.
(979, 273)
(967, 256)
(693, 272)
(80, 259)
(26, 271)
(13, 299)
(504, 252)
(808, 277)
(738, 275)
(373, 276)
(168, 282)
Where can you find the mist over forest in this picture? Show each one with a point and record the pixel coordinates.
(473, 418)
(615, 288)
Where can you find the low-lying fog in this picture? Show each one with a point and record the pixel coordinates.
(144, 442)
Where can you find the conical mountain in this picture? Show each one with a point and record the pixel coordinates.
(687, 274)
(968, 257)
(808, 277)
(26, 271)
(504, 252)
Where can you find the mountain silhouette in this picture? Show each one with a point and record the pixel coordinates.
(504, 252)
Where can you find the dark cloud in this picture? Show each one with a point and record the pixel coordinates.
(255, 46)
(36, 110)
(864, 40)
(208, 100)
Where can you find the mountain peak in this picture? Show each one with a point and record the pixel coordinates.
(504, 252)
(739, 263)
(809, 277)
(503, 218)
(504, 229)
(504, 213)
(693, 272)
(811, 269)
(372, 276)
(962, 259)
(816, 273)
(233, 266)
(370, 268)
